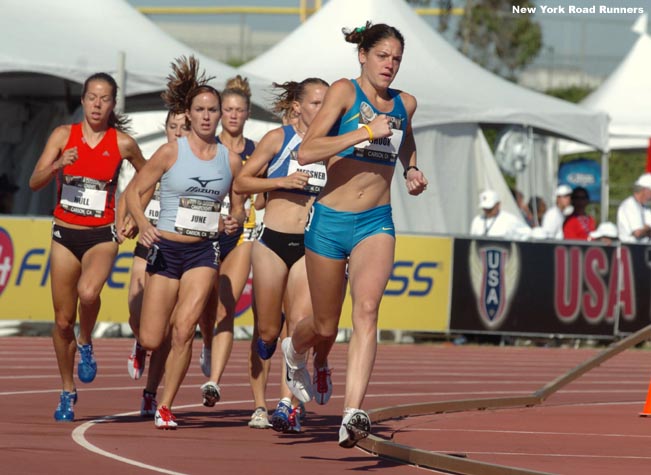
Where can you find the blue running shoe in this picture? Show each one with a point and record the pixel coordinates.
(280, 417)
(87, 368)
(266, 350)
(64, 411)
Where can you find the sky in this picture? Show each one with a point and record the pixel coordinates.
(594, 43)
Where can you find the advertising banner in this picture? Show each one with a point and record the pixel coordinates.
(549, 288)
(418, 293)
(416, 298)
(25, 276)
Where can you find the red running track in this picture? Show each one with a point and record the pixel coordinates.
(589, 427)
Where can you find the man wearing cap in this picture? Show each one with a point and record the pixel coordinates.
(492, 222)
(633, 217)
(552, 222)
(606, 233)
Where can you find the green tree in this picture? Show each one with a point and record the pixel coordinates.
(493, 36)
(573, 94)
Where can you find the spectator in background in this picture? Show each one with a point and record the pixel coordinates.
(493, 222)
(7, 190)
(579, 224)
(606, 233)
(552, 221)
(633, 217)
(538, 204)
(522, 206)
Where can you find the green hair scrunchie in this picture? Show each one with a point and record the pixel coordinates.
(360, 29)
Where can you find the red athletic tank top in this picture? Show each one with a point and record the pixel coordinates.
(86, 189)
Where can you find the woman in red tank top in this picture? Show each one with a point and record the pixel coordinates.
(85, 158)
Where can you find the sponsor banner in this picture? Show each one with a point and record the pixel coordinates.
(416, 297)
(549, 288)
(417, 294)
(582, 172)
(25, 276)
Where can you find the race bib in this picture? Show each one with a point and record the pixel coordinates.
(384, 150)
(197, 217)
(226, 206)
(83, 196)
(152, 212)
(317, 172)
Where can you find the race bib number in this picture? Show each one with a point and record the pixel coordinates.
(197, 217)
(83, 196)
(384, 150)
(152, 212)
(317, 172)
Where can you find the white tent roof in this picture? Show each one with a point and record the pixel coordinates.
(449, 87)
(76, 38)
(626, 97)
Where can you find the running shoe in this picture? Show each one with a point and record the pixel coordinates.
(211, 393)
(148, 404)
(136, 361)
(87, 368)
(259, 419)
(355, 426)
(322, 384)
(164, 418)
(298, 377)
(295, 420)
(280, 417)
(64, 411)
(205, 360)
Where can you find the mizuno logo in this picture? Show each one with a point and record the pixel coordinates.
(203, 183)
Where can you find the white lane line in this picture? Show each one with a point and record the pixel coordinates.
(79, 436)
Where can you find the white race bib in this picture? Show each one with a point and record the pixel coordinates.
(384, 150)
(197, 217)
(317, 172)
(152, 212)
(83, 196)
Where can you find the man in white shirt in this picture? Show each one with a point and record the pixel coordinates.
(552, 222)
(492, 222)
(633, 217)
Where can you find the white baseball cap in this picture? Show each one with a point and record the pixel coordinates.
(563, 190)
(605, 229)
(644, 181)
(488, 199)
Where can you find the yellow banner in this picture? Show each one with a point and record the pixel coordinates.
(416, 297)
(25, 275)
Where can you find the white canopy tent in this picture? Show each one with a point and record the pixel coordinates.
(47, 52)
(454, 96)
(626, 96)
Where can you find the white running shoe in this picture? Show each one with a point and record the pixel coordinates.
(298, 377)
(211, 394)
(355, 426)
(136, 361)
(204, 361)
(259, 419)
(164, 418)
(322, 384)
